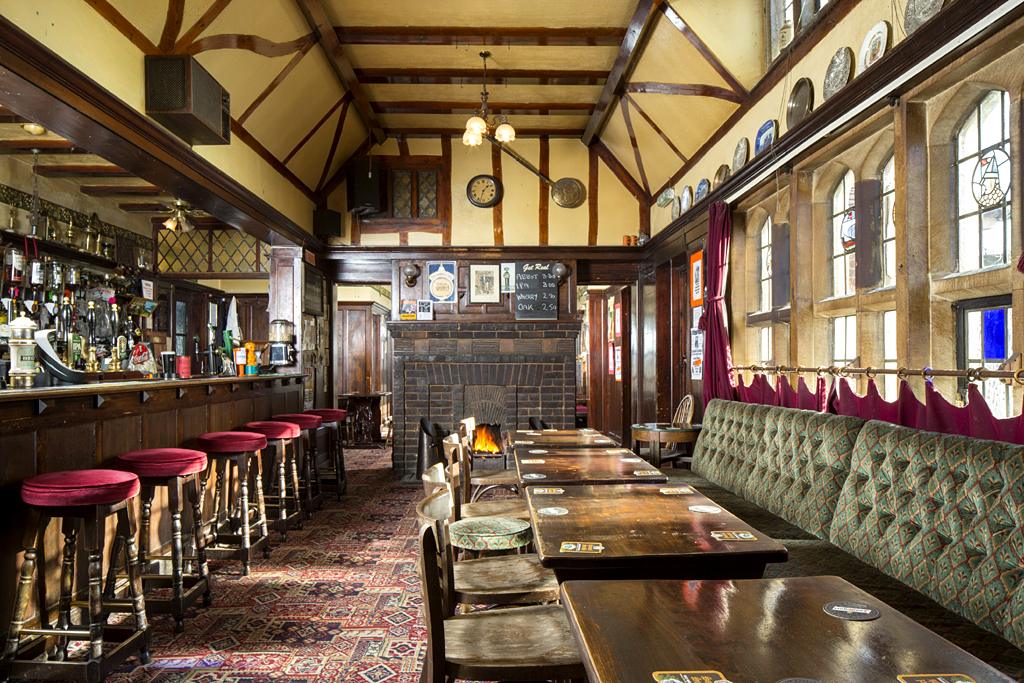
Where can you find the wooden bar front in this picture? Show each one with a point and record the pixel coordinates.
(87, 426)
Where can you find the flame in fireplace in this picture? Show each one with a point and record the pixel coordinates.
(487, 438)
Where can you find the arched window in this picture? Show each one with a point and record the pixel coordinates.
(889, 223)
(982, 172)
(844, 238)
(765, 265)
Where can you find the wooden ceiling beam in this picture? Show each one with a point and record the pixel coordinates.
(520, 132)
(632, 45)
(244, 41)
(521, 108)
(239, 131)
(686, 89)
(706, 52)
(80, 171)
(657, 129)
(316, 17)
(143, 207)
(211, 13)
(122, 190)
(416, 76)
(29, 145)
(338, 177)
(624, 103)
(476, 35)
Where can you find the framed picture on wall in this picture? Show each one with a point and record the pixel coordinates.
(508, 278)
(441, 281)
(618, 319)
(483, 284)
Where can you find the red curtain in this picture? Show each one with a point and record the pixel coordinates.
(759, 391)
(718, 374)
(802, 397)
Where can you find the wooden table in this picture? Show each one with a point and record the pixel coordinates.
(657, 433)
(754, 630)
(364, 409)
(560, 438)
(554, 466)
(644, 531)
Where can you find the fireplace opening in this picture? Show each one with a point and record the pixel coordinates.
(487, 438)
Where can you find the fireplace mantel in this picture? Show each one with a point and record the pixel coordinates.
(500, 372)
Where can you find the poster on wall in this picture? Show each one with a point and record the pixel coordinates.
(611, 358)
(618, 363)
(697, 278)
(696, 355)
(610, 326)
(618, 319)
(407, 309)
(483, 284)
(424, 309)
(508, 278)
(696, 313)
(441, 281)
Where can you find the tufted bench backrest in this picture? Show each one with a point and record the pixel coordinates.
(942, 514)
(791, 462)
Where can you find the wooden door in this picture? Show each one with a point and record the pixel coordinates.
(355, 347)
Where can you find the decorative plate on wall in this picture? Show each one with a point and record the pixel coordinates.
(685, 199)
(666, 197)
(765, 137)
(740, 154)
(677, 208)
(920, 11)
(703, 187)
(801, 101)
(721, 175)
(876, 42)
(840, 69)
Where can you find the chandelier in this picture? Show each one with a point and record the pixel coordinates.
(179, 217)
(481, 124)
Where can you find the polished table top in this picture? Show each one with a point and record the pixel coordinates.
(560, 438)
(666, 430)
(544, 466)
(755, 630)
(644, 530)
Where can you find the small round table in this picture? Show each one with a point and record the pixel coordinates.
(657, 433)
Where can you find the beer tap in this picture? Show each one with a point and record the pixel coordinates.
(91, 364)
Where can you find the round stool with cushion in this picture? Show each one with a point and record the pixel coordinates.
(177, 470)
(285, 496)
(82, 499)
(309, 470)
(483, 534)
(237, 532)
(334, 420)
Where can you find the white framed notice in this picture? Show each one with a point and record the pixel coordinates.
(508, 278)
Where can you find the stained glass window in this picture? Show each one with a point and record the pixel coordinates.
(844, 237)
(765, 265)
(890, 360)
(986, 340)
(426, 191)
(401, 194)
(983, 175)
(889, 223)
(844, 340)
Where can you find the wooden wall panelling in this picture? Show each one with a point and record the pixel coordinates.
(354, 347)
(222, 418)
(597, 367)
(664, 351)
(119, 435)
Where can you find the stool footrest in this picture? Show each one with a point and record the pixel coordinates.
(61, 632)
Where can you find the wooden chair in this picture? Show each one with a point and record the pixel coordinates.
(537, 423)
(462, 487)
(498, 580)
(435, 477)
(480, 481)
(514, 644)
(683, 416)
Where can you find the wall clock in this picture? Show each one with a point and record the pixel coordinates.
(484, 191)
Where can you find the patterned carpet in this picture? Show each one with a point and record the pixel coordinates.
(338, 602)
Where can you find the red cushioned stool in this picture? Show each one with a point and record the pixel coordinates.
(309, 468)
(333, 421)
(239, 527)
(284, 499)
(82, 500)
(177, 470)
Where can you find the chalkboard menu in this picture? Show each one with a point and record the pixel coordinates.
(536, 291)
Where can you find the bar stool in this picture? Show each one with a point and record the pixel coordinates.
(81, 499)
(177, 470)
(282, 435)
(310, 472)
(334, 421)
(236, 536)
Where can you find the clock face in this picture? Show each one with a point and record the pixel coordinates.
(484, 191)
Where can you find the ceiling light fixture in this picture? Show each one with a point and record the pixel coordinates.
(179, 218)
(33, 128)
(481, 124)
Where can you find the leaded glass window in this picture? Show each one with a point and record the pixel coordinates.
(844, 340)
(890, 361)
(985, 339)
(427, 193)
(765, 265)
(844, 238)
(889, 223)
(401, 194)
(983, 174)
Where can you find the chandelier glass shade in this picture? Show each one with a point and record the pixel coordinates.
(481, 124)
(179, 218)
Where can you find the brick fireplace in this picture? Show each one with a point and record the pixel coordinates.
(502, 372)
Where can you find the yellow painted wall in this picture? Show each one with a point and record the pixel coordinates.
(473, 226)
(849, 33)
(77, 33)
(361, 293)
(241, 286)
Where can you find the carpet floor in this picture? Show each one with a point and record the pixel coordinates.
(339, 601)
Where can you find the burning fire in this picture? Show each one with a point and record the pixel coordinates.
(487, 438)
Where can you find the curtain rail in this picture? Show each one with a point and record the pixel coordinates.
(845, 371)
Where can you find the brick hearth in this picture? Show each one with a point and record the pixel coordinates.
(497, 372)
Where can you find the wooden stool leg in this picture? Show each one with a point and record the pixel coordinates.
(261, 505)
(339, 461)
(296, 489)
(44, 615)
(126, 522)
(314, 465)
(242, 464)
(94, 547)
(219, 509)
(174, 501)
(280, 455)
(22, 596)
(196, 494)
(307, 501)
(67, 583)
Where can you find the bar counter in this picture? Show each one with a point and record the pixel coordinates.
(88, 425)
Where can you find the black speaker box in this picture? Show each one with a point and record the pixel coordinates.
(186, 99)
(367, 187)
(326, 223)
